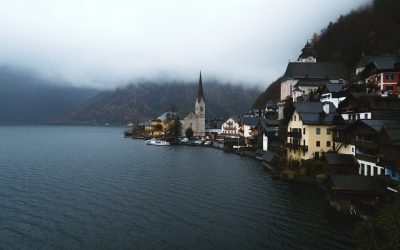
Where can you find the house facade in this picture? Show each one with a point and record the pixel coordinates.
(310, 130)
(230, 128)
(361, 106)
(380, 73)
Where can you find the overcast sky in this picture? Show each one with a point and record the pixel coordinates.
(105, 43)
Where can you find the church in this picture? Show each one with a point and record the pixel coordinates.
(196, 120)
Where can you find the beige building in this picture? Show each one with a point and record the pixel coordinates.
(310, 130)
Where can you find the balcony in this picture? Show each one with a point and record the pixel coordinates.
(295, 146)
(295, 134)
(229, 127)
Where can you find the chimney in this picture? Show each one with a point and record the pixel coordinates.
(325, 107)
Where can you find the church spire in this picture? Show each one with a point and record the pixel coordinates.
(200, 94)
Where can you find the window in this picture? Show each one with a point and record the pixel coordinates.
(316, 154)
(318, 143)
(389, 77)
(376, 171)
(318, 131)
(328, 131)
(368, 170)
(304, 131)
(294, 118)
(328, 143)
(362, 169)
(352, 149)
(358, 116)
(365, 116)
(389, 87)
(201, 108)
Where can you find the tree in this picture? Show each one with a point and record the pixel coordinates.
(175, 130)
(189, 132)
(381, 231)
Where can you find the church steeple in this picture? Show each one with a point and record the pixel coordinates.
(308, 53)
(200, 94)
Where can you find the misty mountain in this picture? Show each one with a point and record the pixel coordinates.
(144, 101)
(26, 98)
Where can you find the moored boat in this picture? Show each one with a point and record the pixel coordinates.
(157, 142)
(128, 133)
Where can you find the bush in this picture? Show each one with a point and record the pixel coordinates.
(313, 167)
(381, 231)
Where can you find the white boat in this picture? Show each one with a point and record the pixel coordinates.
(157, 142)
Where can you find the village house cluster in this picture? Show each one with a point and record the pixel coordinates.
(358, 117)
(350, 121)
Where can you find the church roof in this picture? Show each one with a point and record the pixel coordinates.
(331, 71)
(191, 115)
(200, 94)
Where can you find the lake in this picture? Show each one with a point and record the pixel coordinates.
(65, 187)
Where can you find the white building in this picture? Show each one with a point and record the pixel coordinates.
(306, 68)
(230, 128)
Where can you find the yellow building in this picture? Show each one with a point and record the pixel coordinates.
(158, 127)
(310, 130)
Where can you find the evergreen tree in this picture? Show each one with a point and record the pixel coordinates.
(189, 132)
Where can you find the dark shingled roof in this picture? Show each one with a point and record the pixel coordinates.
(311, 82)
(269, 126)
(251, 121)
(363, 61)
(355, 183)
(313, 113)
(383, 62)
(268, 156)
(300, 70)
(333, 87)
(340, 159)
(374, 124)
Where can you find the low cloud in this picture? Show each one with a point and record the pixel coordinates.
(107, 43)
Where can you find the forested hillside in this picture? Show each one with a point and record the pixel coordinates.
(370, 30)
(138, 102)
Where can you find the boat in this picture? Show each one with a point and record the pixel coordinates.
(128, 133)
(157, 142)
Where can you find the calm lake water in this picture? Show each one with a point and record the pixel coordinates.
(89, 188)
